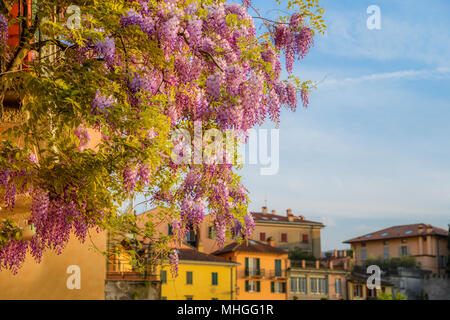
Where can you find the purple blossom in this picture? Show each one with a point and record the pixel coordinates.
(144, 173)
(101, 104)
(249, 225)
(131, 18)
(174, 261)
(3, 31)
(4, 176)
(107, 49)
(130, 175)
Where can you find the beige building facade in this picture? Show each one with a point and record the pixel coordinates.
(426, 243)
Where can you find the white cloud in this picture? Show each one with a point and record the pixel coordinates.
(438, 73)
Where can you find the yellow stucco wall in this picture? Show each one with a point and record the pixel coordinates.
(201, 287)
(48, 280)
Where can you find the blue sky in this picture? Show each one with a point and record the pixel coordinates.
(372, 150)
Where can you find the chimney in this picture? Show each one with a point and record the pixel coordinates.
(421, 228)
(345, 265)
(429, 228)
(317, 264)
(274, 212)
(271, 242)
(344, 253)
(304, 264)
(302, 218)
(264, 209)
(290, 215)
(335, 253)
(331, 265)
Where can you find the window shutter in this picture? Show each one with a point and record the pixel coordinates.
(407, 250)
(278, 268)
(283, 287)
(400, 251)
(247, 286)
(246, 266)
(272, 286)
(170, 230)
(355, 291)
(257, 267)
(258, 286)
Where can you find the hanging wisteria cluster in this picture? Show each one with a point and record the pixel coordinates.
(157, 67)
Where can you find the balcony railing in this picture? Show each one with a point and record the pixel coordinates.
(255, 273)
(277, 274)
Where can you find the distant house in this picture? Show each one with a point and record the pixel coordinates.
(428, 244)
(262, 273)
(358, 290)
(201, 276)
(288, 231)
(314, 280)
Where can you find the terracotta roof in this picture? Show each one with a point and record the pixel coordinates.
(250, 246)
(195, 255)
(259, 216)
(404, 231)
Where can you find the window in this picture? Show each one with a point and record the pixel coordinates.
(262, 236)
(252, 286)
(189, 297)
(191, 238)
(319, 285)
(212, 232)
(298, 284)
(278, 287)
(293, 285)
(403, 251)
(278, 271)
(284, 237)
(305, 238)
(170, 231)
(357, 290)
(338, 287)
(363, 254)
(371, 293)
(323, 286)
(313, 285)
(189, 277)
(215, 278)
(403, 240)
(163, 276)
(302, 284)
(252, 267)
(442, 261)
(363, 244)
(386, 242)
(386, 252)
